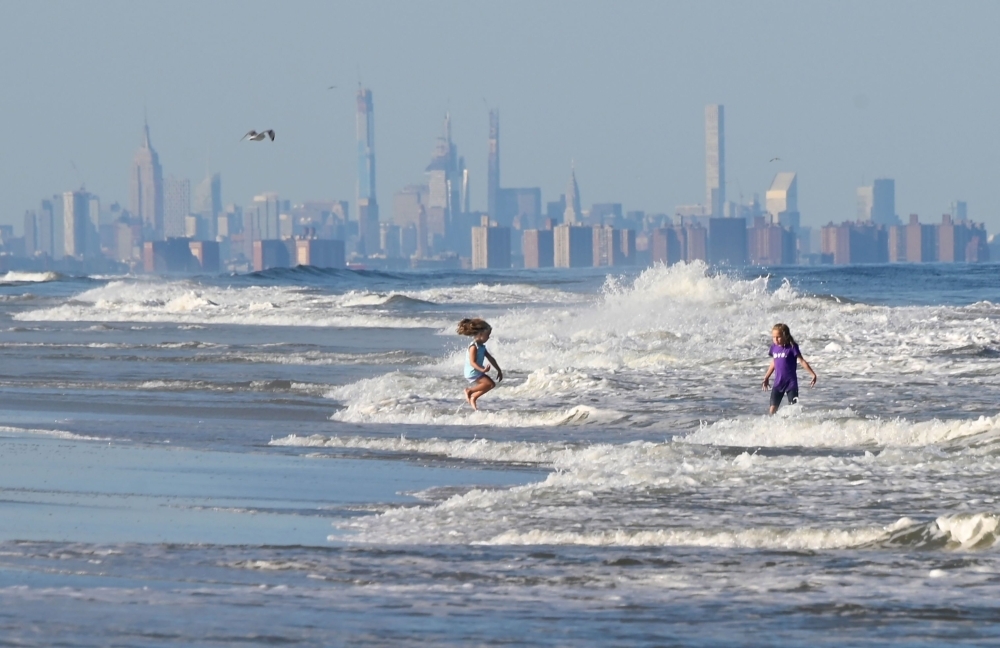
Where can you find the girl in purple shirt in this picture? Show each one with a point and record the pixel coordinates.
(784, 354)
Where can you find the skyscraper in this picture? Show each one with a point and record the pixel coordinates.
(715, 159)
(444, 182)
(176, 206)
(146, 187)
(76, 221)
(572, 215)
(782, 200)
(30, 232)
(493, 167)
(877, 202)
(46, 229)
(208, 197)
(367, 205)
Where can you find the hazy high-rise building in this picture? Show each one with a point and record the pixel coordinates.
(46, 229)
(367, 204)
(262, 216)
(30, 232)
(76, 223)
(176, 206)
(959, 211)
(715, 159)
(493, 167)
(877, 202)
(208, 201)
(782, 200)
(444, 182)
(866, 203)
(490, 245)
(146, 186)
(572, 214)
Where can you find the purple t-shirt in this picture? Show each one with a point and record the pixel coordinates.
(784, 367)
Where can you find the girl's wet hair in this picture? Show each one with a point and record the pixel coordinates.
(473, 326)
(786, 333)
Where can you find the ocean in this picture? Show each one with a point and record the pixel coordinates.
(286, 458)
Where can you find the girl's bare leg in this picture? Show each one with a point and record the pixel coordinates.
(482, 386)
(468, 395)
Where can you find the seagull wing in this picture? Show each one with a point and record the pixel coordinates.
(270, 133)
(251, 134)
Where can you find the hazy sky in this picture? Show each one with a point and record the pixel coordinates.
(841, 91)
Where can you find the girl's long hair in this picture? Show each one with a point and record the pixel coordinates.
(786, 333)
(473, 326)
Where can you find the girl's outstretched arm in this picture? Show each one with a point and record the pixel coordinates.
(766, 383)
(493, 361)
(812, 383)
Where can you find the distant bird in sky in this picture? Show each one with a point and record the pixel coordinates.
(771, 160)
(331, 87)
(254, 136)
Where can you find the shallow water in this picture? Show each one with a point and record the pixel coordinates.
(286, 457)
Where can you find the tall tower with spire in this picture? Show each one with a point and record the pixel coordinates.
(146, 186)
(715, 159)
(367, 205)
(445, 174)
(493, 167)
(573, 215)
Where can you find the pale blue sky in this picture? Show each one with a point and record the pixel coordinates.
(841, 91)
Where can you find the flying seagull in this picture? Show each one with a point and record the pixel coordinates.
(769, 161)
(254, 136)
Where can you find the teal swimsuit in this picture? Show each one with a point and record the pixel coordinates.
(471, 373)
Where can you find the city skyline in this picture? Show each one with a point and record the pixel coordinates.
(848, 120)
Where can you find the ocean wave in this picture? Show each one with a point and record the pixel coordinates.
(840, 429)
(15, 277)
(57, 434)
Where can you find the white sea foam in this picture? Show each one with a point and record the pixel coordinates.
(58, 434)
(648, 343)
(28, 277)
(188, 303)
(794, 427)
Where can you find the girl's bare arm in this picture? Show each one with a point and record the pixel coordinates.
(767, 377)
(472, 360)
(809, 369)
(493, 361)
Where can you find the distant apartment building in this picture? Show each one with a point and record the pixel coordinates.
(668, 245)
(205, 255)
(176, 206)
(573, 246)
(770, 244)
(318, 253)
(921, 241)
(854, 242)
(270, 253)
(538, 248)
(490, 245)
(727, 241)
(612, 246)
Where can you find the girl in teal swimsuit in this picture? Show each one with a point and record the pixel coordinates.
(476, 366)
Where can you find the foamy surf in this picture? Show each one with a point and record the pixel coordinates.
(55, 434)
(793, 426)
(28, 277)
